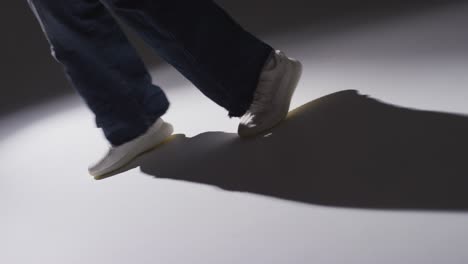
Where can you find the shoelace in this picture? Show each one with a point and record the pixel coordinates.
(263, 95)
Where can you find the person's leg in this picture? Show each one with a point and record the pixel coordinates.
(102, 66)
(204, 43)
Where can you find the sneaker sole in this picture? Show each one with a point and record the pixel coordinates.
(163, 136)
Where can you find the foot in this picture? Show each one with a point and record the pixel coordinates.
(272, 97)
(119, 156)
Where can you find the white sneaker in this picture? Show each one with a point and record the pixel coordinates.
(119, 156)
(272, 97)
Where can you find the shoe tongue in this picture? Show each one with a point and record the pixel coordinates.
(268, 72)
(271, 63)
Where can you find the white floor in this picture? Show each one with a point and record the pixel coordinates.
(53, 212)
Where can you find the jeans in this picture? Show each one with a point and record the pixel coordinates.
(197, 37)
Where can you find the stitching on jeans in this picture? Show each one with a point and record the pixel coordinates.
(43, 23)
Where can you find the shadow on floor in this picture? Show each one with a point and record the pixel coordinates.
(344, 149)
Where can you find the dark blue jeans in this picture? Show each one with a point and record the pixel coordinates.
(197, 37)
